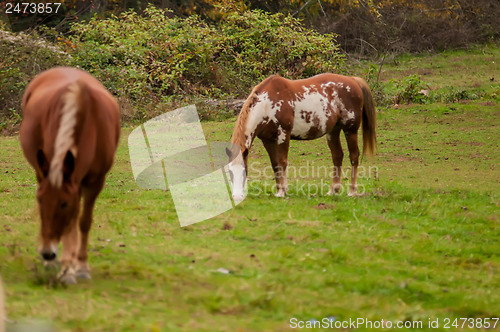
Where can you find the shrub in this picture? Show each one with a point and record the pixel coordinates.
(158, 54)
(409, 90)
(23, 56)
(372, 27)
(256, 44)
(452, 94)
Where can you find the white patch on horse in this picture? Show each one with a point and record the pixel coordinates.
(316, 105)
(308, 89)
(338, 106)
(262, 109)
(237, 168)
(327, 85)
(281, 135)
(65, 140)
(348, 88)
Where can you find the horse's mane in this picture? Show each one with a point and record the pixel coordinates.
(65, 139)
(239, 138)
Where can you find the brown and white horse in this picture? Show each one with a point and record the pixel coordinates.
(279, 109)
(69, 134)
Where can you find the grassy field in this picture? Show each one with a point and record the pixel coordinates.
(421, 243)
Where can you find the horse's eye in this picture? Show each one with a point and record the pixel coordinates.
(64, 205)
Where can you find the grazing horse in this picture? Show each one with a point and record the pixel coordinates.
(279, 109)
(69, 135)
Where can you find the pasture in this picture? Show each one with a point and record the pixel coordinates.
(421, 243)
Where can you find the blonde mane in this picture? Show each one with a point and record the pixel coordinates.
(239, 138)
(65, 139)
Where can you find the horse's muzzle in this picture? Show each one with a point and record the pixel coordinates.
(49, 256)
(49, 253)
(238, 198)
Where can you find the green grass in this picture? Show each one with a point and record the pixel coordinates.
(422, 242)
(449, 76)
(467, 68)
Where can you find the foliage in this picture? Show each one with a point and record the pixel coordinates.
(366, 27)
(409, 90)
(23, 56)
(372, 27)
(166, 55)
(452, 94)
(60, 16)
(257, 44)
(412, 89)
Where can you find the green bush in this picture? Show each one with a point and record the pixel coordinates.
(412, 89)
(257, 44)
(452, 94)
(409, 90)
(158, 54)
(22, 57)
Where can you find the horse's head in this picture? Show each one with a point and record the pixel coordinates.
(59, 204)
(237, 170)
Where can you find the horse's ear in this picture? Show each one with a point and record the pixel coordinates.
(43, 163)
(69, 165)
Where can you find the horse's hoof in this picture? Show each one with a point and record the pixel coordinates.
(68, 279)
(334, 191)
(67, 276)
(83, 275)
(352, 194)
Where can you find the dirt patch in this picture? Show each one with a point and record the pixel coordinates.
(487, 103)
(424, 72)
(402, 159)
(324, 206)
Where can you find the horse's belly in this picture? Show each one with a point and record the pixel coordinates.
(312, 117)
(311, 133)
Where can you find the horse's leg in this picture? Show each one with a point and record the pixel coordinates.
(333, 139)
(281, 178)
(278, 153)
(69, 245)
(90, 193)
(352, 144)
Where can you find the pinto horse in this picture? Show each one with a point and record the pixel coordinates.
(279, 109)
(69, 135)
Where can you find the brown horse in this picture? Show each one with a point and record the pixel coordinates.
(69, 134)
(279, 109)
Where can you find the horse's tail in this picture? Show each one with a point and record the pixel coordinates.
(369, 118)
(72, 111)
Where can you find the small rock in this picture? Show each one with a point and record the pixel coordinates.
(223, 270)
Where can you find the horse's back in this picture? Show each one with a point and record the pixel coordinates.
(323, 101)
(48, 85)
(42, 104)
